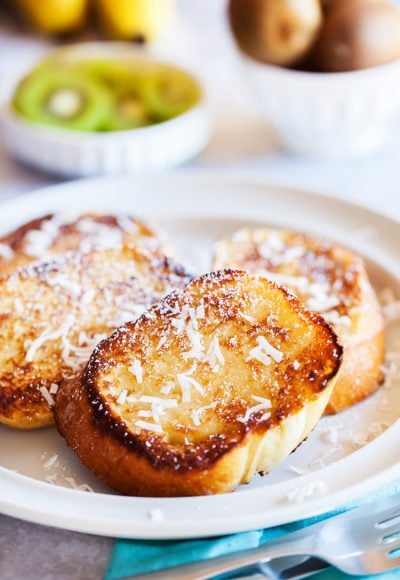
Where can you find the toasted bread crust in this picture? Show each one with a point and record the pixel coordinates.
(212, 457)
(132, 473)
(53, 314)
(356, 315)
(51, 234)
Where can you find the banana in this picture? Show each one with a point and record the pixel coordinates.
(141, 20)
(53, 17)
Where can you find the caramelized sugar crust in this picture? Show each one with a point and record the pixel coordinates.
(185, 387)
(329, 279)
(53, 314)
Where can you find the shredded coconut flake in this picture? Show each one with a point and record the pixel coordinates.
(6, 252)
(299, 470)
(299, 283)
(214, 356)
(51, 461)
(19, 307)
(122, 397)
(46, 396)
(88, 296)
(99, 236)
(200, 311)
(264, 352)
(155, 515)
(149, 426)
(186, 383)
(63, 281)
(299, 494)
(334, 317)
(195, 417)
(47, 335)
(320, 300)
(249, 318)
(75, 356)
(158, 406)
(262, 405)
(196, 413)
(137, 370)
(53, 389)
(38, 242)
(167, 388)
(80, 487)
(196, 352)
(161, 342)
(262, 400)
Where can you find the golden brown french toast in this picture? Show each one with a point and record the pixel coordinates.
(214, 383)
(58, 233)
(53, 314)
(330, 280)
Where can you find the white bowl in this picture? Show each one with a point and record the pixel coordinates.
(327, 114)
(78, 154)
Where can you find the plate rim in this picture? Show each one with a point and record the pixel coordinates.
(162, 530)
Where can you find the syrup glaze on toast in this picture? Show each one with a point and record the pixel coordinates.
(53, 314)
(217, 381)
(330, 280)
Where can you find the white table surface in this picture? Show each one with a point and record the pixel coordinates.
(241, 143)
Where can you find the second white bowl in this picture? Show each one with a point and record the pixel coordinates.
(327, 114)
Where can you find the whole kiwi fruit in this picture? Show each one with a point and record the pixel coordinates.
(279, 32)
(358, 34)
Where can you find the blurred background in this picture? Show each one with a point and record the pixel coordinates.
(300, 92)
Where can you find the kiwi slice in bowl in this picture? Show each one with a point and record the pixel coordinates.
(63, 97)
(169, 92)
(129, 110)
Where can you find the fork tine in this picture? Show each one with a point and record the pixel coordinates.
(393, 563)
(386, 549)
(393, 546)
(390, 538)
(389, 519)
(371, 562)
(388, 529)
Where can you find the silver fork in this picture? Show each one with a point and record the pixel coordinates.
(362, 541)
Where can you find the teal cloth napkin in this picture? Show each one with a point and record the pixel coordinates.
(130, 557)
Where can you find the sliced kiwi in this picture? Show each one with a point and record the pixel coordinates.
(109, 72)
(129, 110)
(64, 97)
(168, 92)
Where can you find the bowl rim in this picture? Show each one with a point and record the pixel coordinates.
(317, 76)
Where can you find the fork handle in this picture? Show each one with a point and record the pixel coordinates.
(210, 568)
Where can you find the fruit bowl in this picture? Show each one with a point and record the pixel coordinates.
(76, 153)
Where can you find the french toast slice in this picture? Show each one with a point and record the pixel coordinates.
(53, 314)
(59, 233)
(216, 382)
(330, 280)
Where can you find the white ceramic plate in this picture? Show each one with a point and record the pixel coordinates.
(345, 457)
